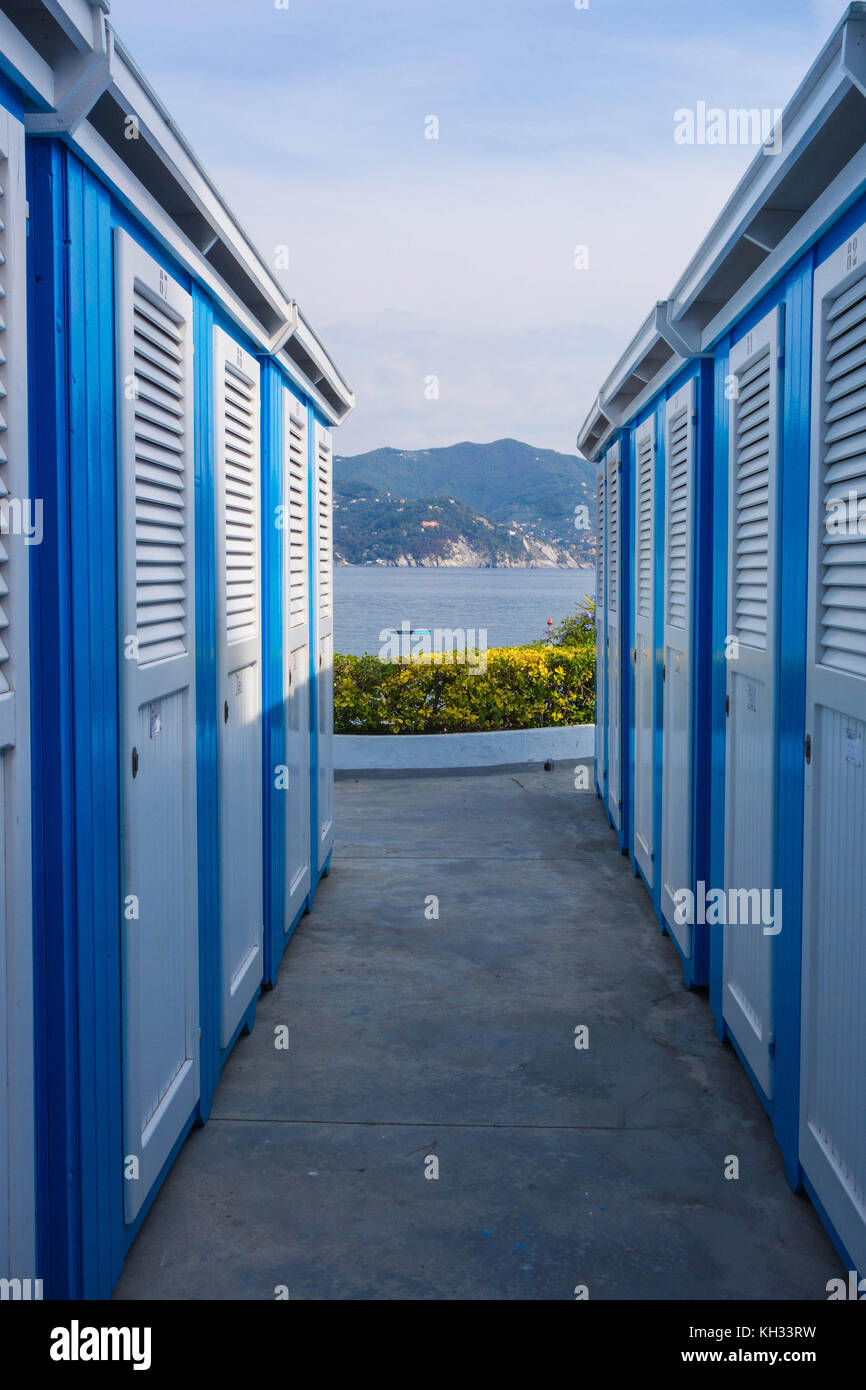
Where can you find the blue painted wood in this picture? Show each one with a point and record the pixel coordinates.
(207, 772)
(793, 619)
(718, 628)
(94, 641)
(58, 1233)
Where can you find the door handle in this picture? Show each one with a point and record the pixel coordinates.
(226, 712)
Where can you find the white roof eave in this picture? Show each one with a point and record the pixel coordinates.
(63, 100)
(840, 65)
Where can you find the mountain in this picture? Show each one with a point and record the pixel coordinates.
(532, 493)
(432, 533)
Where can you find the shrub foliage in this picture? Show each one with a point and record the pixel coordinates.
(530, 687)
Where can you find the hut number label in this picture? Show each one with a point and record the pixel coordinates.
(155, 720)
(239, 683)
(752, 699)
(851, 254)
(854, 748)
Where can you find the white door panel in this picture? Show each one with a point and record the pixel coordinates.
(614, 634)
(17, 1193)
(296, 553)
(324, 648)
(644, 649)
(833, 1056)
(239, 715)
(601, 636)
(750, 745)
(158, 733)
(677, 657)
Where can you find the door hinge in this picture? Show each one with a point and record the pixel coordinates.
(664, 670)
(808, 748)
(634, 656)
(727, 705)
(135, 762)
(226, 712)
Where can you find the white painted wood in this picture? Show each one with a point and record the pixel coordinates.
(601, 634)
(750, 745)
(323, 568)
(158, 721)
(531, 748)
(833, 1056)
(239, 675)
(296, 665)
(17, 1199)
(643, 655)
(680, 422)
(614, 633)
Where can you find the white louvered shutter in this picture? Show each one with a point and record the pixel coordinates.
(680, 470)
(752, 447)
(20, 514)
(154, 321)
(677, 796)
(239, 715)
(614, 634)
(843, 561)
(752, 679)
(296, 482)
(645, 530)
(833, 1056)
(644, 648)
(163, 492)
(324, 528)
(240, 400)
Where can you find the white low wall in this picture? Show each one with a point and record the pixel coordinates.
(423, 752)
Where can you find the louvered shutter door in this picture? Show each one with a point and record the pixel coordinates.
(750, 743)
(614, 635)
(833, 1057)
(158, 731)
(680, 433)
(296, 665)
(323, 530)
(239, 704)
(644, 648)
(17, 1202)
(601, 639)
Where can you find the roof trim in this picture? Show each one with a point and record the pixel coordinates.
(761, 230)
(86, 87)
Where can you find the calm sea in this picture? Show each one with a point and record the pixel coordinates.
(513, 605)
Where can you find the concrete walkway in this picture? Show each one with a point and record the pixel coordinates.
(454, 1038)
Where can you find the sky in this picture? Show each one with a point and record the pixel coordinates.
(456, 258)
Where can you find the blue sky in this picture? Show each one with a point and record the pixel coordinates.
(454, 257)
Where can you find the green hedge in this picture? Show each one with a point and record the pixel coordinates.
(522, 688)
